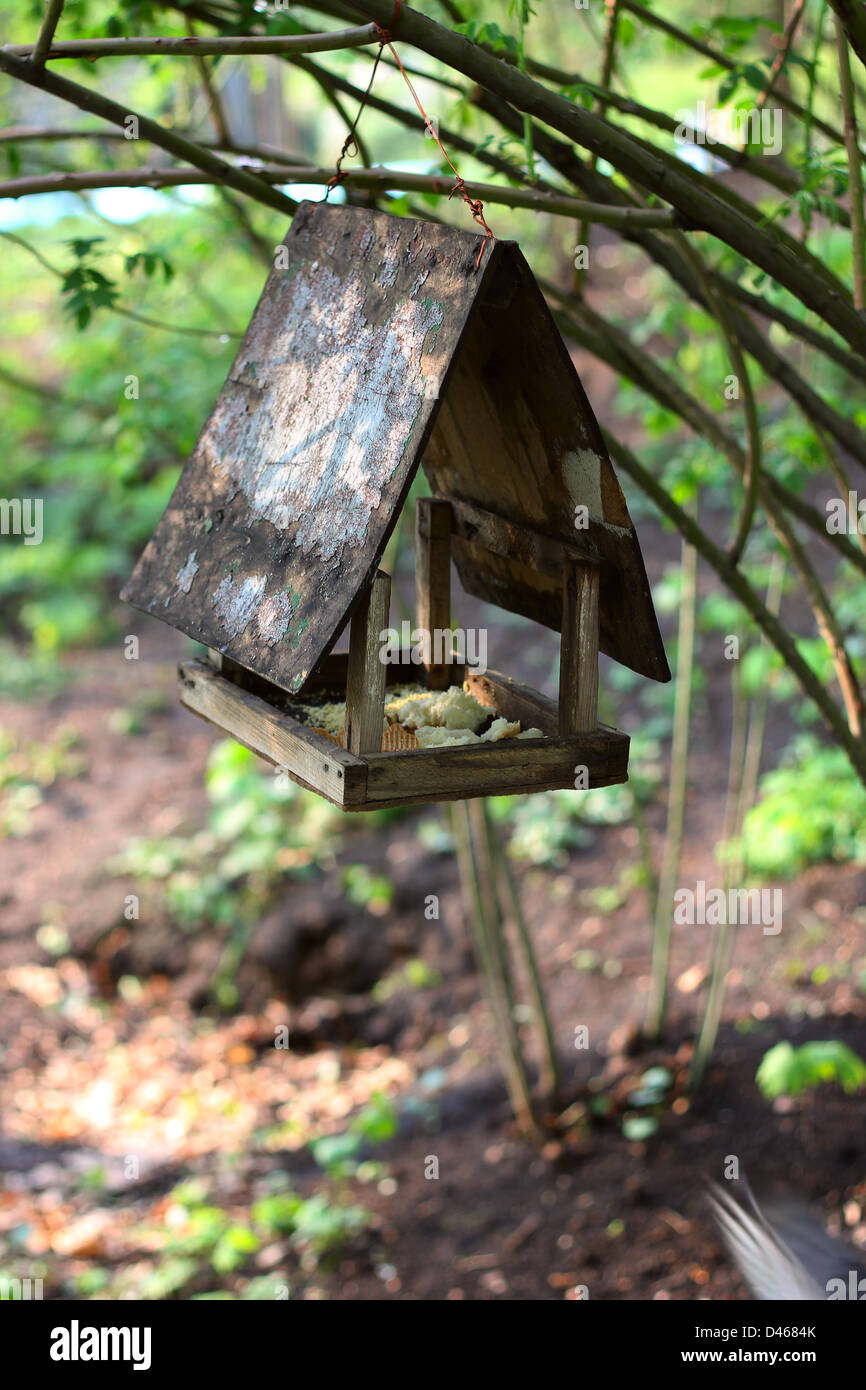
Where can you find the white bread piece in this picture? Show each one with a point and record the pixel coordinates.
(435, 736)
(500, 728)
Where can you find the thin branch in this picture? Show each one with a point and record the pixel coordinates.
(261, 249)
(184, 47)
(46, 33)
(600, 107)
(117, 308)
(378, 179)
(677, 795)
(856, 366)
(87, 100)
(736, 581)
(752, 471)
(14, 134)
(852, 17)
(217, 113)
(700, 207)
(326, 86)
(660, 250)
(781, 57)
(715, 55)
(855, 169)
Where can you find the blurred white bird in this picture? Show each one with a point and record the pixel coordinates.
(783, 1252)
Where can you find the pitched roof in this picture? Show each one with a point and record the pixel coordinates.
(378, 342)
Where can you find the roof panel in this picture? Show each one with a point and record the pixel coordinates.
(368, 324)
(299, 475)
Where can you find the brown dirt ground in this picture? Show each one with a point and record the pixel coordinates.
(90, 1076)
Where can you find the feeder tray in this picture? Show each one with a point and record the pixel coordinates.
(380, 344)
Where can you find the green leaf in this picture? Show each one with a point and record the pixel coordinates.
(785, 1071)
(234, 1248)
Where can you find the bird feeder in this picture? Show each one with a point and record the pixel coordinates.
(381, 343)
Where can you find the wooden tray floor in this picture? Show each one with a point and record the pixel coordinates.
(248, 708)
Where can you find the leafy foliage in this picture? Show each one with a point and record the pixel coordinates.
(789, 1071)
(812, 808)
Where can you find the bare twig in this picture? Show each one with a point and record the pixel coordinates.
(754, 453)
(677, 792)
(811, 685)
(180, 47)
(218, 115)
(852, 17)
(118, 308)
(611, 8)
(781, 57)
(87, 100)
(855, 168)
(46, 33)
(379, 179)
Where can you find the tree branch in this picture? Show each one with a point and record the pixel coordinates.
(378, 179)
(855, 170)
(852, 17)
(178, 145)
(716, 56)
(183, 47)
(46, 33)
(699, 208)
(751, 601)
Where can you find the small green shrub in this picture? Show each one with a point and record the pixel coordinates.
(789, 1071)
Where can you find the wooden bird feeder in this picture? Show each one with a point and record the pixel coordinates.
(381, 343)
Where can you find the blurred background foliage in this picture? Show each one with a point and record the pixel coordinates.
(122, 312)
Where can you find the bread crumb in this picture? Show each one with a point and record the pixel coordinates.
(500, 728)
(436, 736)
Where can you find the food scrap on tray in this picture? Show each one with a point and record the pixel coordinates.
(419, 718)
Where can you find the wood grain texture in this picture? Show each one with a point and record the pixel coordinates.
(516, 541)
(273, 734)
(365, 674)
(516, 436)
(510, 766)
(578, 657)
(376, 780)
(286, 505)
(378, 341)
(433, 580)
(515, 701)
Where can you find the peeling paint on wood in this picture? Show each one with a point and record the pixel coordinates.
(299, 474)
(378, 341)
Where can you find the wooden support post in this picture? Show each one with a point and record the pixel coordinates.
(433, 580)
(365, 681)
(578, 655)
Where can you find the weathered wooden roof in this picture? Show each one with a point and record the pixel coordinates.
(381, 342)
